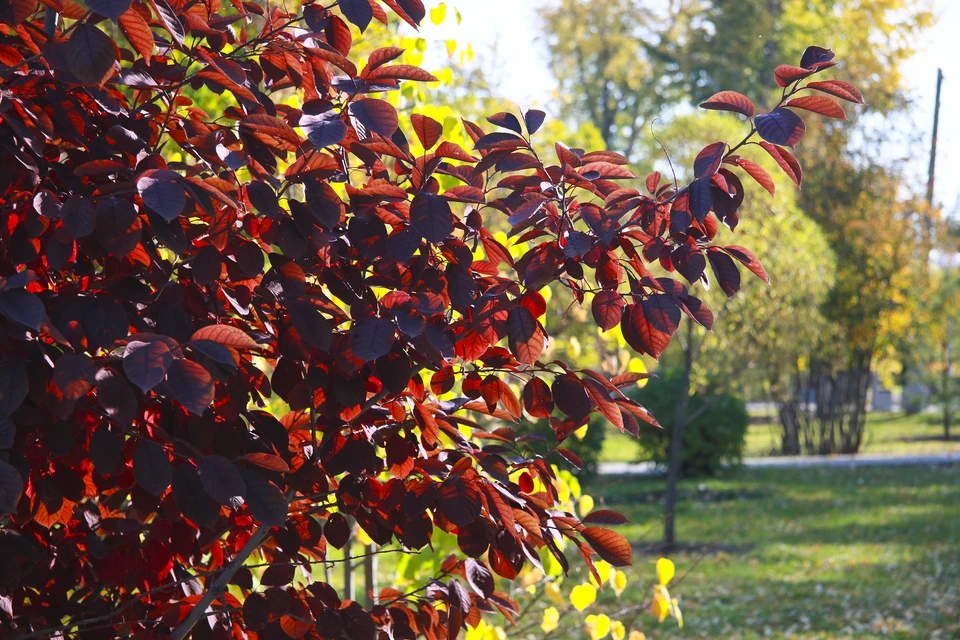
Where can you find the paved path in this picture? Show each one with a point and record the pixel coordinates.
(797, 462)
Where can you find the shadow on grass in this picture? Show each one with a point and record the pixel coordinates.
(928, 439)
(693, 549)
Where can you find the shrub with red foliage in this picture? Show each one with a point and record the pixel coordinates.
(148, 308)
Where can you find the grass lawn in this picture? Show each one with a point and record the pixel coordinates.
(886, 433)
(803, 553)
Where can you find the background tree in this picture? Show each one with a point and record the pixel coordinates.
(695, 49)
(871, 226)
(609, 59)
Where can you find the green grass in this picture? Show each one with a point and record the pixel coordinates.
(804, 553)
(886, 433)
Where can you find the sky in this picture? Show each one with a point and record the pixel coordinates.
(505, 34)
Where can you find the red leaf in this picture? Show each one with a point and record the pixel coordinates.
(92, 54)
(758, 173)
(169, 19)
(607, 170)
(819, 104)
(640, 334)
(402, 72)
(256, 611)
(337, 530)
(605, 517)
(138, 33)
(431, 215)
(272, 132)
(296, 627)
(537, 399)
(376, 115)
(509, 399)
(382, 56)
(119, 228)
(151, 468)
(838, 88)
(601, 397)
(524, 335)
(749, 261)
(459, 501)
(662, 312)
(267, 503)
(479, 577)
(653, 180)
(359, 12)
(427, 129)
(781, 126)
(708, 160)
(75, 375)
(570, 397)
(815, 57)
(266, 460)
(454, 151)
(221, 479)
(728, 276)
(609, 545)
(570, 457)
(786, 161)
(225, 334)
(21, 10)
(787, 74)
(729, 101)
(162, 191)
(607, 309)
(146, 363)
(371, 338)
(191, 385)
(628, 378)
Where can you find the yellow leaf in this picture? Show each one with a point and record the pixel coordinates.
(586, 505)
(553, 592)
(439, 13)
(582, 596)
(477, 632)
(603, 569)
(618, 580)
(665, 571)
(551, 619)
(660, 606)
(636, 365)
(677, 614)
(598, 626)
(581, 432)
(617, 630)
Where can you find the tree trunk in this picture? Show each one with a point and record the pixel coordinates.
(348, 591)
(676, 447)
(370, 575)
(945, 392)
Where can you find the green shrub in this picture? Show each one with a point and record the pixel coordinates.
(716, 436)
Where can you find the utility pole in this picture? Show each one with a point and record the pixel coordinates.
(946, 382)
(933, 141)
